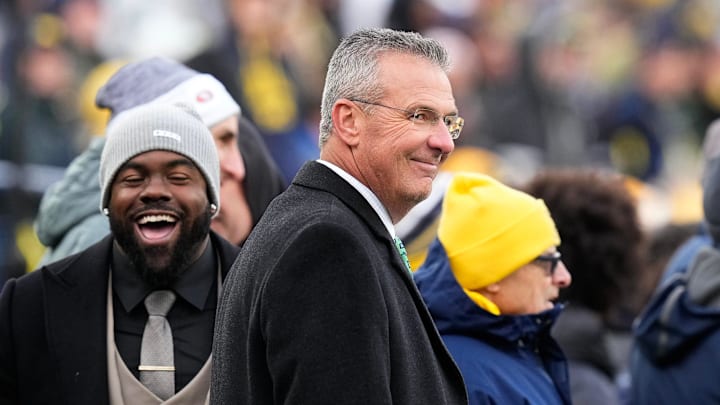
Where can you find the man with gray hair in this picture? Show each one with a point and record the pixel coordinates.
(129, 320)
(320, 306)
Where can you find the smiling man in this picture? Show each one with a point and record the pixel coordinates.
(320, 307)
(85, 329)
(68, 220)
(490, 281)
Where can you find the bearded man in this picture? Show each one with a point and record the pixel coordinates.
(89, 329)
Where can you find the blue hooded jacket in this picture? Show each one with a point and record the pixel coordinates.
(504, 359)
(676, 356)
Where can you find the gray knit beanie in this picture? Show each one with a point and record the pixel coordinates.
(175, 128)
(164, 80)
(141, 82)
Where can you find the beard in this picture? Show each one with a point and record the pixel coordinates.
(158, 276)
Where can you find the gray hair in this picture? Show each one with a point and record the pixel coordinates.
(353, 69)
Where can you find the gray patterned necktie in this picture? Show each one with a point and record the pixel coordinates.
(157, 362)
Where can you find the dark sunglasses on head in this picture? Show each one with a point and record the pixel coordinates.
(553, 258)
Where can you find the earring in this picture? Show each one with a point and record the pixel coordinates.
(106, 212)
(213, 208)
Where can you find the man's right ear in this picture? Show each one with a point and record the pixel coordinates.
(347, 118)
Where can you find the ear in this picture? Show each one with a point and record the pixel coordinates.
(347, 120)
(492, 288)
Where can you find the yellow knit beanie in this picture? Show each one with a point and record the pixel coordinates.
(489, 230)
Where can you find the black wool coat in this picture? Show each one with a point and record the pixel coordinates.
(53, 329)
(319, 308)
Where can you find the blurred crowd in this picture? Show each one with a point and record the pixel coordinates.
(625, 85)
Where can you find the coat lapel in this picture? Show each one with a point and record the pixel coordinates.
(75, 304)
(316, 175)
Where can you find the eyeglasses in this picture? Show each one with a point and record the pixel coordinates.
(426, 116)
(553, 258)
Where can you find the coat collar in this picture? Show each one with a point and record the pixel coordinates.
(320, 177)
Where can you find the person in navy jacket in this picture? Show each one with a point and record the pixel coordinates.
(490, 281)
(676, 348)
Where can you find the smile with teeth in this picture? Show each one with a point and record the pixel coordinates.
(156, 218)
(154, 227)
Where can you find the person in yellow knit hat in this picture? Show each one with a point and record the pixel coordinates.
(490, 281)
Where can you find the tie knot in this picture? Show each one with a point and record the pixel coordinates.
(159, 302)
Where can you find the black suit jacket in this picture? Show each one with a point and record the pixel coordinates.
(53, 329)
(320, 309)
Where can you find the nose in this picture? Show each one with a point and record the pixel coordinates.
(156, 189)
(232, 165)
(562, 277)
(441, 139)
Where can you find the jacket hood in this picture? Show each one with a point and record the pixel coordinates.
(72, 199)
(683, 311)
(455, 313)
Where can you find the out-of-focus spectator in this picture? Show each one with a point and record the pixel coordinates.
(176, 29)
(643, 123)
(273, 61)
(685, 254)
(41, 130)
(42, 119)
(677, 343)
(465, 75)
(597, 219)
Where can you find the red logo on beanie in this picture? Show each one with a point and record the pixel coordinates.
(204, 96)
